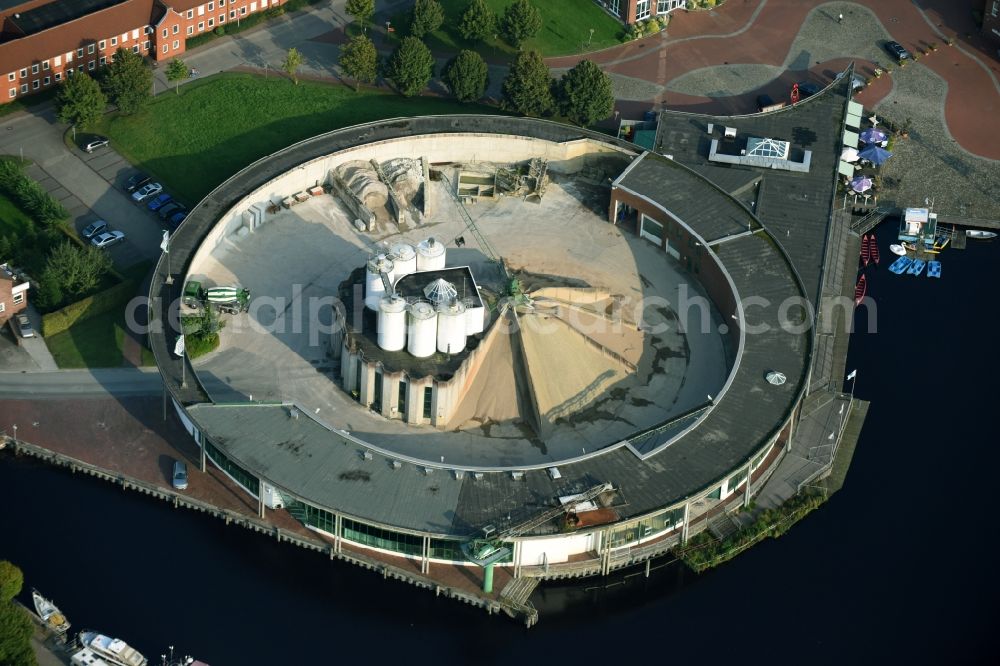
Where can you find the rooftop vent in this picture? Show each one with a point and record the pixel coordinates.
(293, 413)
(367, 455)
(730, 132)
(428, 470)
(554, 473)
(396, 464)
(776, 378)
(478, 476)
(517, 476)
(459, 474)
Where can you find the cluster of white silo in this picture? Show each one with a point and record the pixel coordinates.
(421, 329)
(430, 255)
(391, 323)
(404, 259)
(451, 327)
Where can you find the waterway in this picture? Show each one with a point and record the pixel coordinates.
(897, 567)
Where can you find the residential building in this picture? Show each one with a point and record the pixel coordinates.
(991, 20)
(44, 41)
(13, 293)
(632, 11)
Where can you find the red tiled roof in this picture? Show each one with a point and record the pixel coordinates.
(70, 36)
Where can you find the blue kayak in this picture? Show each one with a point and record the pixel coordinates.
(917, 267)
(900, 265)
(934, 269)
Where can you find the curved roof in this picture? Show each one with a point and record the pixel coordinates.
(443, 501)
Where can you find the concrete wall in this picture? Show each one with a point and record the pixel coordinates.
(535, 552)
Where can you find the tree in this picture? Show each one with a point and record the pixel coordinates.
(584, 94)
(78, 270)
(528, 86)
(521, 21)
(80, 100)
(467, 76)
(411, 66)
(361, 10)
(15, 625)
(478, 22)
(291, 64)
(427, 17)
(128, 82)
(359, 60)
(177, 71)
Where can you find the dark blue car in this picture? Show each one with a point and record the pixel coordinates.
(159, 202)
(177, 218)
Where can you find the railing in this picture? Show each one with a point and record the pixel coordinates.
(825, 467)
(870, 221)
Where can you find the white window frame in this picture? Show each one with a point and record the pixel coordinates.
(135, 48)
(91, 48)
(201, 10)
(3, 306)
(177, 45)
(19, 298)
(12, 76)
(24, 88)
(92, 65)
(24, 73)
(211, 22)
(190, 30)
(166, 32)
(201, 26)
(177, 28)
(243, 10)
(114, 41)
(102, 44)
(190, 13)
(166, 47)
(104, 60)
(34, 68)
(145, 45)
(79, 52)
(222, 18)
(45, 65)
(59, 76)
(36, 84)
(13, 92)
(642, 10)
(46, 81)
(57, 61)
(211, 6)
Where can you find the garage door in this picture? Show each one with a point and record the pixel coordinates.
(651, 230)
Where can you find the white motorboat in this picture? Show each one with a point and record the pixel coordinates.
(898, 249)
(112, 650)
(50, 614)
(979, 234)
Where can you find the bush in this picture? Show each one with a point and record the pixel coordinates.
(29, 195)
(198, 344)
(220, 30)
(82, 310)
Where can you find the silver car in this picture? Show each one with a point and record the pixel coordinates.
(24, 326)
(180, 478)
(146, 191)
(107, 239)
(97, 142)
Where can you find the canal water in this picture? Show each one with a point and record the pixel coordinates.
(897, 567)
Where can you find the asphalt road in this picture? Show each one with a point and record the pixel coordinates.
(80, 383)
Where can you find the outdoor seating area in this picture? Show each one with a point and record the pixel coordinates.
(864, 151)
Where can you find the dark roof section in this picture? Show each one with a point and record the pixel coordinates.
(686, 195)
(460, 277)
(738, 425)
(794, 207)
(56, 13)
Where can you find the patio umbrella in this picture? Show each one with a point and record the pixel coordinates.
(861, 183)
(874, 153)
(873, 135)
(849, 154)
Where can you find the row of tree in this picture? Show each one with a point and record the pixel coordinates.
(126, 82)
(15, 624)
(520, 21)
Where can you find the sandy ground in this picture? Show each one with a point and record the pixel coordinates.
(293, 265)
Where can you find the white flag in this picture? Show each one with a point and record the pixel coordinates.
(165, 243)
(854, 373)
(179, 346)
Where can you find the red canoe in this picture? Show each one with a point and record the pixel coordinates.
(865, 249)
(860, 289)
(873, 250)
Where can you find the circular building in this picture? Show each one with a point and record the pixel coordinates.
(608, 395)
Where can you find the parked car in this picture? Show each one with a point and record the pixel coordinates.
(108, 238)
(94, 228)
(177, 218)
(95, 143)
(24, 326)
(136, 181)
(897, 51)
(146, 191)
(159, 202)
(180, 478)
(807, 89)
(168, 210)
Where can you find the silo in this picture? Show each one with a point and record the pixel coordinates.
(451, 327)
(474, 317)
(421, 330)
(391, 323)
(404, 258)
(430, 255)
(374, 290)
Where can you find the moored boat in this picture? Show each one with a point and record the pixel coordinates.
(50, 614)
(873, 250)
(979, 234)
(895, 248)
(113, 650)
(860, 289)
(917, 267)
(865, 249)
(900, 265)
(933, 269)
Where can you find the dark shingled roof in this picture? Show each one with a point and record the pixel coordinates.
(307, 459)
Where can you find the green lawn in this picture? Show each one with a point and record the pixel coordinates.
(215, 127)
(566, 26)
(13, 222)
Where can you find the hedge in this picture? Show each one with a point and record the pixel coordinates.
(82, 310)
(28, 195)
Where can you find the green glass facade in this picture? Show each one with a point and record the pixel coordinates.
(376, 537)
(645, 528)
(242, 477)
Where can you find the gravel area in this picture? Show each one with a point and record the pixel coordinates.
(724, 80)
(930, 163)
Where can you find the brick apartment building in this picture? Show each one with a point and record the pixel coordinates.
(991, 20)
(631, 11)
(43, 41)
(13, 293)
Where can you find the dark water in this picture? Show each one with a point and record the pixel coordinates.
(899, 567)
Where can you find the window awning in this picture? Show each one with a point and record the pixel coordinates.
(853, 120)
(855, 109)
(851, 138)
(845, 168)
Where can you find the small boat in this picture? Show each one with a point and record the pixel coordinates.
(979, 234)
(900, 265)
(917, 267)
(112, 650)
(934, 269)
(50, 614)
(912, 247)
(860, 289)
(865, 249)
(897, 249)
(873, 248)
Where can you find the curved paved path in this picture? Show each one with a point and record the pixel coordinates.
(785, 35)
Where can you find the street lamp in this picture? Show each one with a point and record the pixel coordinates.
(15, 434)
(590, 37)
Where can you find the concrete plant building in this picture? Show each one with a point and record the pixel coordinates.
(415, 455)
